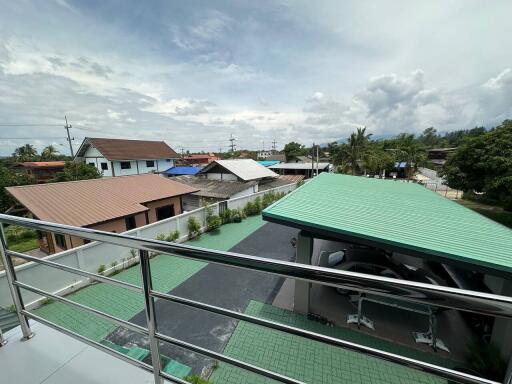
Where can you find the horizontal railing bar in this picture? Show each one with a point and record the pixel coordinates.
(219, 356)
(94, 276)
(443, 372)
(106, 316)
(427, 294)
(173, 379)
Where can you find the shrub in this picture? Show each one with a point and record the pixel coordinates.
(173, 236)
(113, 264)
(195, 379)
(47, 300)
(194, 227)
(161, 237)
(213, 223)
(253, 208)
(101, 269)
(133, 253)
(226, 216)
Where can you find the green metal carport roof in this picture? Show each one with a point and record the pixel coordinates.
(401, 216)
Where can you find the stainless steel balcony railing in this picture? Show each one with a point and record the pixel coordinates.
(439, 296)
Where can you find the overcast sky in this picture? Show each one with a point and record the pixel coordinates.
(194, 72)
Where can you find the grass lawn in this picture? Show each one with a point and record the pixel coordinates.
(23, 244)
(492, 212)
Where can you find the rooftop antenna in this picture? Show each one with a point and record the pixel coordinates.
(67, 126)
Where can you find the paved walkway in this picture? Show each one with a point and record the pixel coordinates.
(306, 360)
(168, 272)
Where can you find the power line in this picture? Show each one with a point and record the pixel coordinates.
(28, 125)
(232, 145)
(30, 138)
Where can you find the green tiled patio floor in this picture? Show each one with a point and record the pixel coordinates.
(168, 272)
(311, 361)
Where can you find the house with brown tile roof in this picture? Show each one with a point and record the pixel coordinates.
(41, 171)
(121, 157)
(113, 204)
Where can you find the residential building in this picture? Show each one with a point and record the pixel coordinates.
(179, 171)
(438, 156)
(114, 204)
(237, 170)
(41, 171)
(280, 181)
(120, 157)
(277, 157)
(201, 159)
(210, 191)
(308, 170)
(263, 155)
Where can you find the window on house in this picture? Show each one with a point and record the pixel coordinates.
(92, 164)
(126, 165)
(130, 222)
(164, 212)
(60, 240)
(168, 160)
(104, 166)
(150, 163)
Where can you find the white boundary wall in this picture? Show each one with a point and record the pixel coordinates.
(90, 256)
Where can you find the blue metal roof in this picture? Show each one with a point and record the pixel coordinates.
(402, 164)
(268, 163)
(182, 171)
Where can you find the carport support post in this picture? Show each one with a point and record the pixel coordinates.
(302, 288)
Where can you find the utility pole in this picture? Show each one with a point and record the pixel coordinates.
(67, 126)
(273, 145)
(313, 160)
(232, 139)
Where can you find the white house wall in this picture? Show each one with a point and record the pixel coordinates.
(93, 156)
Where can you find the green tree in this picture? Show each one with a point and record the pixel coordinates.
(411, 151)
(26, 152)
(353, 153)
(483, 163)
(9, 178)
(77, 171)
(49, 153)
(294, 149)
(429, 138)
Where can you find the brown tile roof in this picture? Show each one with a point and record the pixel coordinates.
(42, 164)
(87, 202)
(121, 149)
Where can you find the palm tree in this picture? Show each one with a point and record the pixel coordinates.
(354, 151)
(49, 153)
(412, 152)
(26, 152)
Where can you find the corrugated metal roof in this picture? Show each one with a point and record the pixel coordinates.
(182, 171)
(88, 202)
(215, 188)
(245, 169)
(122, 149)
(280, 181)
(298, 166)
(399, 214)
(267, 163)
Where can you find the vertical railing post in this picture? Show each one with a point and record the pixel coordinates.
(10, 274)
(2, 340)
(149, 301)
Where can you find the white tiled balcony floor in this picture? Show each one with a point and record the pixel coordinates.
(54, 358)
